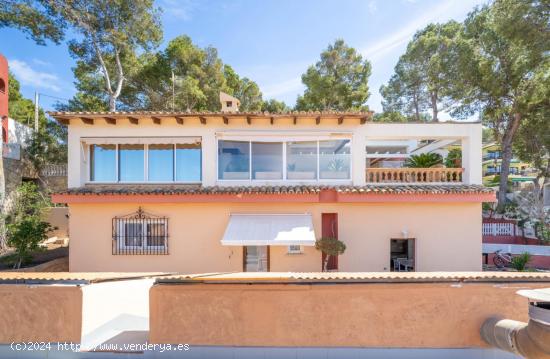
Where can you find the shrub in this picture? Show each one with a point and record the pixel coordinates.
(25, 229)
(330, 246)
(520, 262)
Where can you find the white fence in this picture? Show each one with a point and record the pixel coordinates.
(498, 229)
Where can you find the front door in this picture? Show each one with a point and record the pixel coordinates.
(329, 228)
(256, 259)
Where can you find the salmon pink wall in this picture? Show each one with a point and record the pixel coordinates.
(448, 236)
(387, 315)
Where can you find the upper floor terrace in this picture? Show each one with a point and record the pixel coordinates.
(258, 149)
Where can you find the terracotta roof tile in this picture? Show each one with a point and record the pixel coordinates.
(10, 277)
(299, 189)
(207, 113)
(361, 277)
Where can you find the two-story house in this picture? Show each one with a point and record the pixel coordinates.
(232, 191)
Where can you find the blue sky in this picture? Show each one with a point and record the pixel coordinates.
(270, 41)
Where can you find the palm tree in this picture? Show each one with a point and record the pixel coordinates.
(424, 160)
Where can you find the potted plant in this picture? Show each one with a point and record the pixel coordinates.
(330, 246)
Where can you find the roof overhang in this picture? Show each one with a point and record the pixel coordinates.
(182, 118)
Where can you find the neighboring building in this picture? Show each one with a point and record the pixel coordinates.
(229, 191)
(15, 166)
(520, 172)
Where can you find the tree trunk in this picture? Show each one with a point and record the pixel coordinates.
(112, 103)
(325, 263)
(434, 106)
(506, 146)
(416, 109)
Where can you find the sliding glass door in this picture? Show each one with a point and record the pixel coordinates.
(256, 259)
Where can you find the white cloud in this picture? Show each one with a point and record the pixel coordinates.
(41, 62)
(28, 76)
(403, 35)
(293, 85)
(179, 9)
(372, 7)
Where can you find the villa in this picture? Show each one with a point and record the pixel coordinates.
(229, 191)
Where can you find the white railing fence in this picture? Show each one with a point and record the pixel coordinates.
(498, 229)
(54, 171)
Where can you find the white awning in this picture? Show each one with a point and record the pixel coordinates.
(140, 140)
(269, 230)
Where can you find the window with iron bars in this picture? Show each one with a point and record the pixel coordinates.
(140, 233)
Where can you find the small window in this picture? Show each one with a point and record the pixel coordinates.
(295, 249)
(2, 86)
(228, 103)
(140, 233)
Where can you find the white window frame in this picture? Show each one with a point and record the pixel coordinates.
(145, 168)
(291, 250)
(284, 169)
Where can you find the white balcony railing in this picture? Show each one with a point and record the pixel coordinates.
(414, 175)
(11, 150)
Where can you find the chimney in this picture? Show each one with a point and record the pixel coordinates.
(4, 97)
(229, 103)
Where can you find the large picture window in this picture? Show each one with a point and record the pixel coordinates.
(292, 160)
(301, 160)
(103, 163)
(161, 163)
(131, 163)
(233, 160)
(150, 162)
(267, 160)
(188, 162)
(334, 159)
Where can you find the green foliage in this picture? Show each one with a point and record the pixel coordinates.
(246, 90)
(25, 229)
(49, 143)
(424, 160)
(25, 237)
(330, 246)
(274, 106)
(420, 80)
(520, 262)
(31, 17)
(105, 36)
(454, 158)
(390, 116)
(339, 81)
(532, 143)
(495, 181)
(183, 77)
(500, 69)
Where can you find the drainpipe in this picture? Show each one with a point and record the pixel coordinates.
(531, 339)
